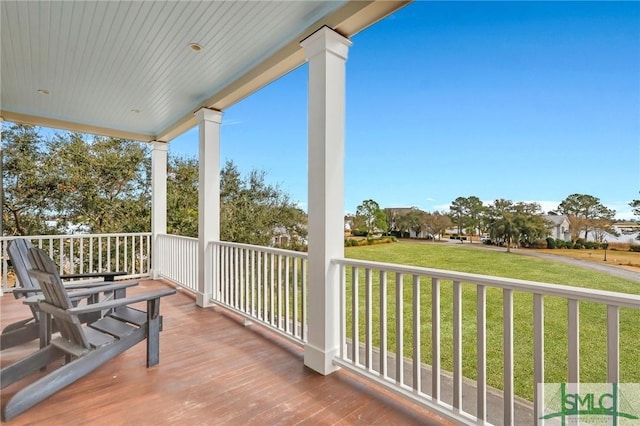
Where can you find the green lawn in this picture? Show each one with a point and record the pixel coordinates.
(500, 263)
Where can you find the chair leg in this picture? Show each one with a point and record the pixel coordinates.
(22, 368)
(62, 377)
(154, 324)
(153, 342)
(11, 338)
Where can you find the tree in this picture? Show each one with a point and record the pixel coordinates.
(502, 223)
(457, 213)
(635, 205)
(29, 186)
(583, 212)
(436, 223)
(516, 223)
(474, 210)
(530, 223)
(252, 211)
(467, 214)
(103, 183)
(182, 196)
(370, 217)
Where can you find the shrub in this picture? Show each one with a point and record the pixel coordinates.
(634, 248)
(551, 243)
(359, 232)
(568, 244)
(578, 246)
(560, 243)
(540, 244)
(590, 245)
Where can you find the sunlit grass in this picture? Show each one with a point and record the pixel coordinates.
(499, 263)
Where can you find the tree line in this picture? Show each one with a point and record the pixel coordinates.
(73, 182)
(506, 222)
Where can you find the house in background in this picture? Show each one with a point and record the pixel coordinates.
(560, 229)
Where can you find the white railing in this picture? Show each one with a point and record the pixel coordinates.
(265, 285)
(78, 254)
(178, 260)
(393, 332)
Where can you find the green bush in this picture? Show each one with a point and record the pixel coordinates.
(634, 247)
(350, 242)
(568, 244)
(590, 245)
(578, 246)
(560, 243)
(540, 244)
(359, 232)
(551, 243)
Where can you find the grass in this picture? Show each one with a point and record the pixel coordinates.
(510, 265)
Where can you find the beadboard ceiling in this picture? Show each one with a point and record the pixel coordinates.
(126, 68)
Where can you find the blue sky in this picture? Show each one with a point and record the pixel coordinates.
(528, 101)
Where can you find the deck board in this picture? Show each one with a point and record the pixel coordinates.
(212, 371)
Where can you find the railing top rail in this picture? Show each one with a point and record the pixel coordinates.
(178, 237)
(57, 237)
(547, 289)
(290, 253)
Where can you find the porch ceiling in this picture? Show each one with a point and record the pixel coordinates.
(125, 68)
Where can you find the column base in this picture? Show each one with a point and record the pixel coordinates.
(203, 300)
(320, 360)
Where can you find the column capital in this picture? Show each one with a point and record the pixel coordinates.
(159, 146)
(325, 39)
(208, 114)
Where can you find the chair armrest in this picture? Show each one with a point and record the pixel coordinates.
(82, 294)
(94, 307)
(108, 276)
(100, 289)
(91, 288)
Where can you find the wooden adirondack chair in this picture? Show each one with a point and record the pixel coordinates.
(29, 329)
(86, 347)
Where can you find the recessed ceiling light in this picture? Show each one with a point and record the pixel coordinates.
(135, 111)
(44, 92)
(195, 47)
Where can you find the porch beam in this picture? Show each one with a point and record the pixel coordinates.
(326, 51)
(158, 200)
(208, 199)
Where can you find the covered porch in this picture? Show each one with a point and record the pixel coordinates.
(329, 343)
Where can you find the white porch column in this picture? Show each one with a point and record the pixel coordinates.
(208, 199)
(326, 52)
(158, 200)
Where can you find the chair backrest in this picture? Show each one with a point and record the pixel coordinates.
(45, 271)
(18, 253)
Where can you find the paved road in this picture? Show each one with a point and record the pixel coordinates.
(615, 271)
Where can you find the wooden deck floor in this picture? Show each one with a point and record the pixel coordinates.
(212, 371)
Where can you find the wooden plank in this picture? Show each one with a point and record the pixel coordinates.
(113, 326)
(130, 315)
(213, 371)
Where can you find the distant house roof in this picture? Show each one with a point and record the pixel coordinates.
(556, 219)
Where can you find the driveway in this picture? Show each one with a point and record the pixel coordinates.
(615, 271)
